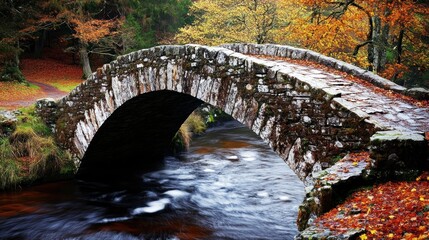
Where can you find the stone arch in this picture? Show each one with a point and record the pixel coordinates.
(136, 135)
(295, 115)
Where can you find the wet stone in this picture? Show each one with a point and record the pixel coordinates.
(8, 121)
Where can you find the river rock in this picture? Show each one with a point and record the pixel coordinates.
(8, 122)
(232, 158)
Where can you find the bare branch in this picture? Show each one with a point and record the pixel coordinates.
(356, 51)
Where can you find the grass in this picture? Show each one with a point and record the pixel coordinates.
(9, 169)
(30, 154)
(9, 174)
(194, 124)
(29, 120)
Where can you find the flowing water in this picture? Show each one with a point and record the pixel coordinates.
(229, 185)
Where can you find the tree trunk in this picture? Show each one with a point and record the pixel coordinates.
(376, 47)
(380, 38)
(84, 60)
(384, 38)
(370, 39)
(398, 54)
(18, 45)
(399, 46)
(39, 44)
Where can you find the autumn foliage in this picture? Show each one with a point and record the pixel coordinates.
(387, 37)
(388, 211)
(94, 29)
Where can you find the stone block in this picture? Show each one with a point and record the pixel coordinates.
(8, 122)
(397, 150)
(46, 108)
(418, 93)
(312, 56)
(327, 61)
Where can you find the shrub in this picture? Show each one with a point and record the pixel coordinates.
(213, 115)
(11, 72)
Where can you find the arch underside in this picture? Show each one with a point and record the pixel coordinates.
(136, 135)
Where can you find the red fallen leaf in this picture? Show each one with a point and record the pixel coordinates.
(389, 209)
(50, 70)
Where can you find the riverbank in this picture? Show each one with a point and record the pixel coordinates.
(393, 210)
(28, 152)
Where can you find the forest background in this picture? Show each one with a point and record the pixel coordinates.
(388, 37)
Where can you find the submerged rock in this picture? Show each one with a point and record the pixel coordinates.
(232, 158)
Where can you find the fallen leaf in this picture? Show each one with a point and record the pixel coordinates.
(363, 237)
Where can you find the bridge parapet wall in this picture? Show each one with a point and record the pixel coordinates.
(304, 121)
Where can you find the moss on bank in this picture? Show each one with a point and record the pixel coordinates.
(28, 153)
(203, 117)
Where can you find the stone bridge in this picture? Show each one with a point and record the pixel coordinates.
(127, 112)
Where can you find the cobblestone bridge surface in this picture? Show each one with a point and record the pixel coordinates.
(135, 104)
(385, 112)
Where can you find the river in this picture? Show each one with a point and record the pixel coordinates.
(229, 185)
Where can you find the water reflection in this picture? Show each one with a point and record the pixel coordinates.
(230, 185)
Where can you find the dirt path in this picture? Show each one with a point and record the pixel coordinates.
(50, 91)
(45, 74)
(45, 91)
